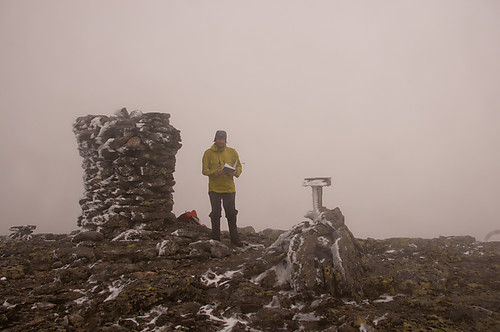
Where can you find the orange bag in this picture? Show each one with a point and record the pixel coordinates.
(189, 217)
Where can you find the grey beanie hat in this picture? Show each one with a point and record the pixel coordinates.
(220, 134)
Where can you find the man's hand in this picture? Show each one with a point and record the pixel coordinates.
(220, 171)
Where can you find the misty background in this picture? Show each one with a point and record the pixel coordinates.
(397, 101)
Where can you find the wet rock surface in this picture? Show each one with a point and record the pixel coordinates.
(177, 279)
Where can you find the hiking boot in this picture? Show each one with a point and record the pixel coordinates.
(238, 243)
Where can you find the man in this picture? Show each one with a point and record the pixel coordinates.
(221, 164)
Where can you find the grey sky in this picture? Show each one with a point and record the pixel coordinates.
(397, 101)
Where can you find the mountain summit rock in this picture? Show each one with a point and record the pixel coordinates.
(178, 279)
(316, 256)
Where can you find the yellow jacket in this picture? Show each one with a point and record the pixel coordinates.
(213, 159)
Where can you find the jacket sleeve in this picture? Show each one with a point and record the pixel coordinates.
(238, 165)
(206, 170)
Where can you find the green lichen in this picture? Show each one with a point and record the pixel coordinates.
(13, 272)
(188, 283)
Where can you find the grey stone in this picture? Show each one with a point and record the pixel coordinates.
(270, 234)
(318, 257)
(76, 320)
(43, 305)
(88, 236)
(167, 247)
(248, 230)
(209, 248)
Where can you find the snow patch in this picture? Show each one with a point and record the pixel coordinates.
(8, 305)
(250, 246)
(365, 327)
(149, 319)
(211, 277)
(128, 235)
(105, 127)
(207, 310)
(81, 300)
(284, 269)
(337, 260)
(275, 303)
(229, 322)
(283, 273)
(298, 306)
(161, 247)
(116, 288)
(323, 241)
(387, 298)
(105, 147)
(156, 312)
(321, 182)
(378, 319)
(309, 317)
(352, 302)
(316, 303)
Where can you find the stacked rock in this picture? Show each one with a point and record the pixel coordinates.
(129, 160)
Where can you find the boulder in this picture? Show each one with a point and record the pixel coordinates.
(270, 234)
(88, 236)
(316, 257)
(209, 248)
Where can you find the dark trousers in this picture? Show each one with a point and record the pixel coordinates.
(229, 203)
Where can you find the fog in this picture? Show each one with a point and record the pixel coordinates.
(397, 101)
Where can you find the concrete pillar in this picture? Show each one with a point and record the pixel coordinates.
(317, 185)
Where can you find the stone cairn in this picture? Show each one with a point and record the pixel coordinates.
(129, 160)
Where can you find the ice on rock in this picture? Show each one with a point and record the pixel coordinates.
(81, 300)
(275, 303)
(128, 235)
(310, 317)
(379, 319)
(337, 260)
(211, 278)
(8, 305)
(116, 288)
(229, 322)
(319, 257)
(386, 298)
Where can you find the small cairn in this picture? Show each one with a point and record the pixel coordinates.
(21, 232)
(129, 161)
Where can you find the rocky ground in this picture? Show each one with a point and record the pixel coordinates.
(180, 280)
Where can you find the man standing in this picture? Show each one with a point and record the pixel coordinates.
(221, 164)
